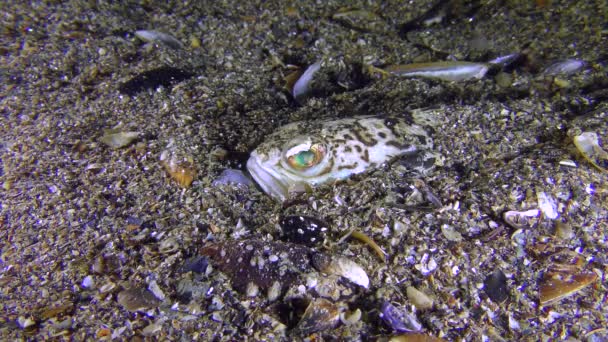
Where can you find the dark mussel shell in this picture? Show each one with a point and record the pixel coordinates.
(304, 230)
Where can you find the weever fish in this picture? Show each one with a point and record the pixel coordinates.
(317, 152)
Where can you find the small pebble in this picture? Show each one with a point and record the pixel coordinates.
(503, 79)
(450, 233)
(195, 42)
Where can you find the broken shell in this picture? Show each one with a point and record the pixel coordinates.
(25, 322)
(420, 300)
(547, 205)
(426, 265)
(304, 230)
(107, 288)
(103, 334)
(180, 168)
(156, 290)
(521, 219)
(168, 246)
(566, 67)
(155, 36)
(274, 291)
(342, 267)
(56, 311)
(415, 338)
(588, 145)
(559, 285)
(232, 176)
(118, 140)
(567, 162)
(351, 317)
(397, 319)
(301, 88)
(137, 299)
(152, 329)
(321, 314)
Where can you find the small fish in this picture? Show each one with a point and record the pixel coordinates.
(313, 153)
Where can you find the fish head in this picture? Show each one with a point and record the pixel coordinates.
(329, 150)
(280, 164)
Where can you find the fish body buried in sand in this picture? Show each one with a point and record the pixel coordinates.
(312, 153)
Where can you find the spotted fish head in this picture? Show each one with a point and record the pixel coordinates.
(313, 153)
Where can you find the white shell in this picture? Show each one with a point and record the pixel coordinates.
(589, 145)
(447, 71)
(301, 88)
(346, 268)
(521, 219)
(547, 205)
(155, 36)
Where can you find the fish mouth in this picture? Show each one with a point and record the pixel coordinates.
(270, 181)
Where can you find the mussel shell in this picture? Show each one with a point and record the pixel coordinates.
(398, 320)
(556, 286)
(521, 219)
(495, 286)
(321, 314)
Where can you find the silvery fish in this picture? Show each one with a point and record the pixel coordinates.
(317, 152)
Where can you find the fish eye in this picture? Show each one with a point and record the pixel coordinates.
(304, 159)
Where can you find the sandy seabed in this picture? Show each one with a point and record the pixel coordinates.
(99, 242)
